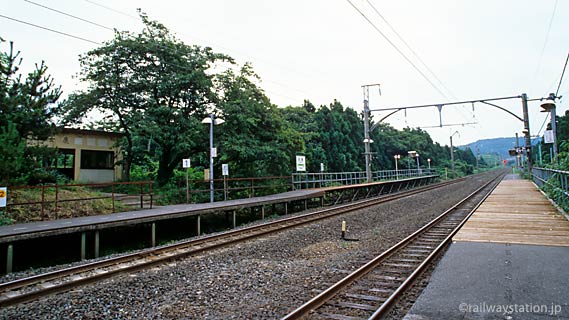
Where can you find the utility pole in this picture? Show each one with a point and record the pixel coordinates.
(527, 133)
(367, 140)
(452, 158)
(452, 154)
(517, 151)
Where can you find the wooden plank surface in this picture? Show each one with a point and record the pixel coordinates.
(516, 212)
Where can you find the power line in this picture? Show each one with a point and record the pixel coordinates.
(418, 57)
(111, 9)
(50, 30)
(545, 41)
(95, 42)
(398, 50)
(245, 55)
(69, 15)
(410, 49)
(562, 74)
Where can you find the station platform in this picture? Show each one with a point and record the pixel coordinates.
(38, 229)
(509, 261)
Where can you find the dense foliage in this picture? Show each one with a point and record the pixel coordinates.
(27, 111)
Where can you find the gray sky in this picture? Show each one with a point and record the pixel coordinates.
(323, 50)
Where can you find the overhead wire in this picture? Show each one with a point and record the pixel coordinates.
(69, 15)
(398, 50)
(403, 55)
(50, 30)
(538, 69)
(410, 49)
(562, 74)
(416, 55)
(111, 29)
(257, 59)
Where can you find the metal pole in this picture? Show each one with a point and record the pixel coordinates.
(366, 140)
(539, 150)
(517, 151)
(211, 158)
(527, 133)
(396, 170)
(418, 168)
(554, 129)
(452, 158)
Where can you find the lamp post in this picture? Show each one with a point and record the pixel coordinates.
(418, 167)
(452, 154)
(212, 151)
(549, 106)
(412, 154)
(429, 162)
(396, 157)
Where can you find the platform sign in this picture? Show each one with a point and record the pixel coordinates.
(3, 196)
(548, 136)
(213, 152)
(321, 167)
(300, 163)
(225, 169)
(186, 163)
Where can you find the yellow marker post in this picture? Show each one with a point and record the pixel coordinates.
(344, 229)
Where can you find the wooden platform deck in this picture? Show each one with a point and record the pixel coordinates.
(516, 212)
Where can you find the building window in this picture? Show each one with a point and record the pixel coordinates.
(97, 159)
(65, 158)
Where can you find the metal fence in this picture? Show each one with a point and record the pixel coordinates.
(45, 202)
(230, 188)
(326, 179)
(555, 183)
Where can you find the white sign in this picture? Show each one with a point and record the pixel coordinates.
(548, 136)
(3, 196)
(225, 169)
(321, 167)
(213, 152)
(300, 163)
(186, 163)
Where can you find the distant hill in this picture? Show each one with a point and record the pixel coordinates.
(496, 145)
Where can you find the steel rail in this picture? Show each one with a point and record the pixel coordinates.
(75, 276)
(382, 310)
(328, 294)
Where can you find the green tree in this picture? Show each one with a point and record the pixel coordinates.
(27, 112)
(254, 140)
(150, 85)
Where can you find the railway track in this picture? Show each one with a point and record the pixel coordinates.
(34, 287)
(370, 291)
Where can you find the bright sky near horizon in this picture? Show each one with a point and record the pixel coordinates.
(323, 50)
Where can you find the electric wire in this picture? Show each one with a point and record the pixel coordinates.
(416, 55)
(50, 30)
(69, 15)
(562, 74)
(245, 55)
(538, 69)
(398, 50)
(112, 29)
(411, 49)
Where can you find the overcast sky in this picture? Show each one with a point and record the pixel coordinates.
(323, 50)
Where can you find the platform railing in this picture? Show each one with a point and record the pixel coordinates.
(327, 179)
(45, 202)
(554, 182)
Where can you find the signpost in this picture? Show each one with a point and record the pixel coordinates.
(186, 165)
(3, 196)
(225, 172)
(300, 163)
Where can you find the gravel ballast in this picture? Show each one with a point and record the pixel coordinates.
(258, 279)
